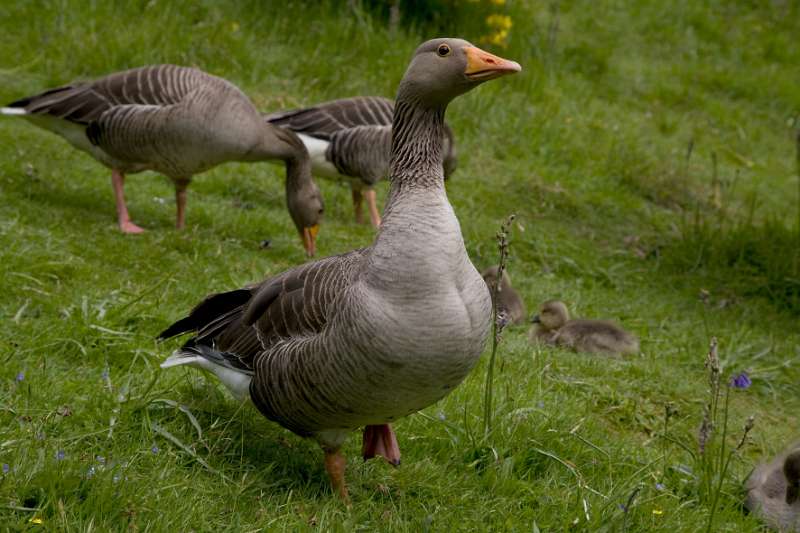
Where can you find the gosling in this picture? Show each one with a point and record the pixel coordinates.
(509, 301)
(553, 326)
(773, 491)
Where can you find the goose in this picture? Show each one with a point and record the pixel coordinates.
(350, 139)
(178, 121)
(364, 338)
(773, 490)
(508, 299)
(553, 326)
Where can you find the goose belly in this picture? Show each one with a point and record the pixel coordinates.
(367, 369)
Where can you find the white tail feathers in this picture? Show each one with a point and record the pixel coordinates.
(238, 383)
(13, 111)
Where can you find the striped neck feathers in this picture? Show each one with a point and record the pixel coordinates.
(417, 152)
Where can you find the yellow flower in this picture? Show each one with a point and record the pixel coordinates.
(658, 512)
(499, 21)
(498, 2)
(36, 521)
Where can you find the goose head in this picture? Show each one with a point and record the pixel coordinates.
(552, 315)
(791, 469)
(444, 68)
(306, 209)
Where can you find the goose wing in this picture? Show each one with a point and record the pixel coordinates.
(83, 103)
(324, 120)
(239, 325)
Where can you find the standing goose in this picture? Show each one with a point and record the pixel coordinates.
(773, 490)
(364, 338)
(351, 139)
(178, 121)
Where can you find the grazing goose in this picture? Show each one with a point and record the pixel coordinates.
(773, 491)
(553, 326)
(364, 338)
(508, 299)
(178, 121)
(351, 139)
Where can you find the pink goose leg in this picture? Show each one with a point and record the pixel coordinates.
(123, 219)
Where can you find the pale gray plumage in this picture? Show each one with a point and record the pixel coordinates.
(366, 337)
(351, 138)
(773, 491)
(553, 326)
(178, 121)
(508, 300)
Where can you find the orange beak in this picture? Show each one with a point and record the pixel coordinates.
(309, 236)
(482, 65)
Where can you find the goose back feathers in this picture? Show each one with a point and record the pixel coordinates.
(351, 137)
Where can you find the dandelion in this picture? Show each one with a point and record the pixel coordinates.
(20, 376)
(154, 449)
(741, 381)
(61, 455)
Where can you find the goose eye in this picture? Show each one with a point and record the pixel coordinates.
(443, 50)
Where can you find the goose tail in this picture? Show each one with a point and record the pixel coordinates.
(236, 380)
(13, 111)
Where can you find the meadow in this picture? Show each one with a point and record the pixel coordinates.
(648, 152)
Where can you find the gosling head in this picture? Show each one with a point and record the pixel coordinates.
(791, 469)
(552, 315)
(490, 277)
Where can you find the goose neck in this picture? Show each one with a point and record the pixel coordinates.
(417, 153)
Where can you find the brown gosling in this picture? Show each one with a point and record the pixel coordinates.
(773, 491)
(509, 300)
(553, 326)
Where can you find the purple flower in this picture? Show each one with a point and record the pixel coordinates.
(100, 459)
(6, 468)
(659, 486)
(60, 455)
(20, 376)
(741, 381)
(105, 373)
(154, 449)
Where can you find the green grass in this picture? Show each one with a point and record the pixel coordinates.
(587, 146)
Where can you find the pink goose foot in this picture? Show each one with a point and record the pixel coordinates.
(380, 440)
(129, 227)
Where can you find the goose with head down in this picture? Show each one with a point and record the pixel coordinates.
(364, 338)
(351, 139)
(178, 121)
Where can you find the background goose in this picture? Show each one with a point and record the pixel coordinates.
(553, 326)
(508, 299)
(178, 121)
(351, 138)
(364, 338)
(773, 490)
